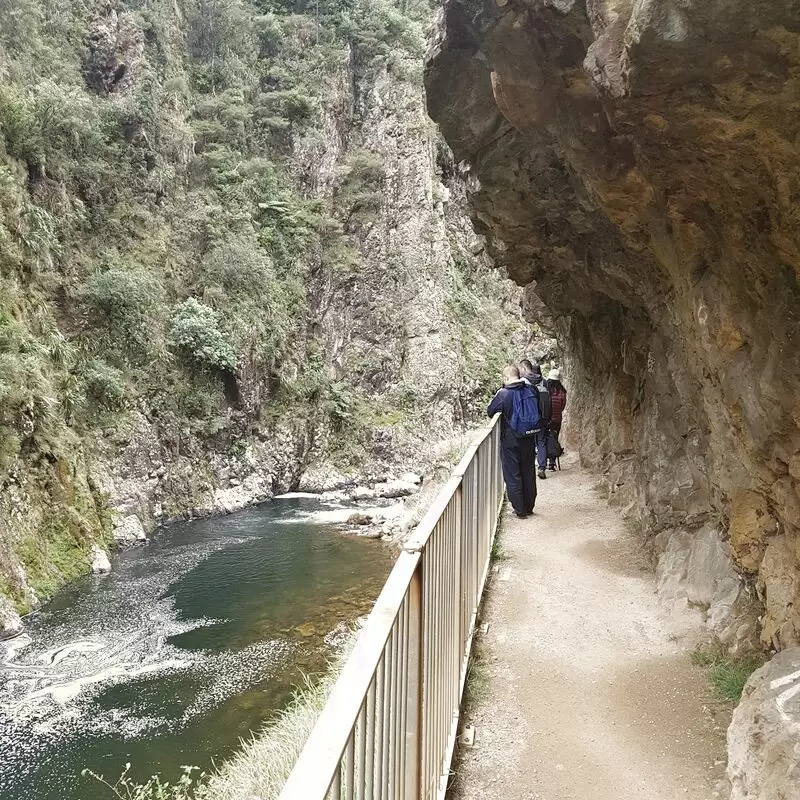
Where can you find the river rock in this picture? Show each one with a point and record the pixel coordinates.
(398, 488)
(362, 493)
(129, 532)
(100, 563)
(359, 519)
(411, 477)
(10, 622)
(764, 734)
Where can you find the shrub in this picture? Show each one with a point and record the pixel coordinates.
(155, 789)
(195, 330)
(366, 169)
(198, 403)
(122, 301)
(240, 267)
(104, 385)
(362, 186)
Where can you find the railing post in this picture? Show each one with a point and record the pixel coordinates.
(416, 655)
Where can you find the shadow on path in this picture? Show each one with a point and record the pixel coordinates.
(590, 694)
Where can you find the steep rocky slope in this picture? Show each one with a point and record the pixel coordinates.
(231, 245)
(638, 171)
(638, 163)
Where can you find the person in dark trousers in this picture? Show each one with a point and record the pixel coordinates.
(558, 402)
(517, 452)
(532, 373)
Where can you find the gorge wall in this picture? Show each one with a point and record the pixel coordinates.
(636, 166)
(232, 245)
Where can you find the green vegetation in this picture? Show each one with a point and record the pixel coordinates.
(486, 330)
(124, 788)
(166, 250)
(728, 674)
(476, 685)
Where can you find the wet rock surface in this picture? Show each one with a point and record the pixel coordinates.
(635, 166)
(100, 562)
(10, 622)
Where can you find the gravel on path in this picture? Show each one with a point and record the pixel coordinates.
(591, 694)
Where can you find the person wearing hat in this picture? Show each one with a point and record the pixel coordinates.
(532, 374)
(558, 401)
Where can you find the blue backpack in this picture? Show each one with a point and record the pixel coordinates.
(524, 412)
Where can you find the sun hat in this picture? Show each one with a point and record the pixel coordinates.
(554, 375)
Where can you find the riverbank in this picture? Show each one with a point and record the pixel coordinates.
(240, 480)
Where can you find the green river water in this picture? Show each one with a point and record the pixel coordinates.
(189, 645)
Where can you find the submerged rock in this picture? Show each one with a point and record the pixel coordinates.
(764, 734)
(100, 563)
(359, 519)
(10, 621)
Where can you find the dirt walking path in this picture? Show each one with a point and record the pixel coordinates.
(590, 694)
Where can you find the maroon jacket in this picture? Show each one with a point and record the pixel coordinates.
(558, 400)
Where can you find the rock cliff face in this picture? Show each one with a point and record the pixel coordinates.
(639, 170)
(232, 246)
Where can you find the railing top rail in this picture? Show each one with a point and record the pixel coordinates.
(422, 533)
(317, 765)
(320, 759)
(481, 435)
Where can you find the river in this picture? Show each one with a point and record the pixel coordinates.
(191, 643)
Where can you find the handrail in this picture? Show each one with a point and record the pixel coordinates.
(388, 729)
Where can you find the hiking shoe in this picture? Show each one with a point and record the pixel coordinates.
(542, 474)
(552, 467)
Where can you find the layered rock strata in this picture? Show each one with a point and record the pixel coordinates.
(638, 168)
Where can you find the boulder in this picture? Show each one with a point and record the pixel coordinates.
(764, 734)
(362, 493)
(359, 519)
(695, 570)
(370, 533)
(10, 622)
(399, 488)
(100, 563)
(129, 532)
(411, 477)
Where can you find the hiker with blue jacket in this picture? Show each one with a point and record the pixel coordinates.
(519, 424)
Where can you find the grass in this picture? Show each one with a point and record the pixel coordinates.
(476, 685)
(498, 553)
(727, 674)
(262, 764)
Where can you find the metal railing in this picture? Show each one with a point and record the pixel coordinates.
(389, 727)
